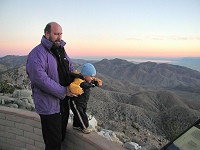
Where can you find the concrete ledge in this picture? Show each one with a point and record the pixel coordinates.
(21, 130)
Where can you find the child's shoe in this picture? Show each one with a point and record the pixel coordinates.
(86, 131)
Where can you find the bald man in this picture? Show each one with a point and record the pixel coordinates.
(48, 67)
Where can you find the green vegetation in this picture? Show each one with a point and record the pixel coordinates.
(6, 87)
(177, 128)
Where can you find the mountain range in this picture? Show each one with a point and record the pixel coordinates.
(144, 101)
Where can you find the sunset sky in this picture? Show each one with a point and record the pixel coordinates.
(104, 28)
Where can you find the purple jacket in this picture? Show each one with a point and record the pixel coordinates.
(42, 70)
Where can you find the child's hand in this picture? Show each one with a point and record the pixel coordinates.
(99, 83)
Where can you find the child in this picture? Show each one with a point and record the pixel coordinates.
(81, 87)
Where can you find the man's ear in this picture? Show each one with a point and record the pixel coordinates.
(47, 34)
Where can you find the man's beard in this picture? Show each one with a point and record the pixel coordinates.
(55, 43)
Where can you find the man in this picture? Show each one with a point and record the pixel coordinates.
(48, 67)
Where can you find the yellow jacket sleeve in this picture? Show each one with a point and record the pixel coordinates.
(75, 86)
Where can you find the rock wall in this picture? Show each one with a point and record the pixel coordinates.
(21, 130)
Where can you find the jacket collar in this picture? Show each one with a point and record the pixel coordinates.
(48, 44)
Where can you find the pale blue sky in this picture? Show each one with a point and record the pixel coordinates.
(91, 23)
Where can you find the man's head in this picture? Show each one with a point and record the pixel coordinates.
(53, 32)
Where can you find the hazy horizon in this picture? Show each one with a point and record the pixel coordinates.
(190, 62)
(130, 58)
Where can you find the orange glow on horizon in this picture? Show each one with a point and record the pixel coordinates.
(111, 48)
(135, 48)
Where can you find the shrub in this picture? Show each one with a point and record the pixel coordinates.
(6, 88)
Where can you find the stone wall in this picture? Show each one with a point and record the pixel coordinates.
(21, 130)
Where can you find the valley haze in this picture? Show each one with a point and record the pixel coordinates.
(190, 62)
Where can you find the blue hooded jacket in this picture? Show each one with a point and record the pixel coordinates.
(42, 70)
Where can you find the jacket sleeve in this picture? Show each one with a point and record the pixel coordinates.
(86, 85)
(75, 87)
(37, 72)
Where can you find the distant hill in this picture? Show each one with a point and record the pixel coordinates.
(137, 99)
(13, 61)
(160, 75)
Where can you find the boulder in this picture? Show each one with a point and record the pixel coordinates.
(21, 93)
